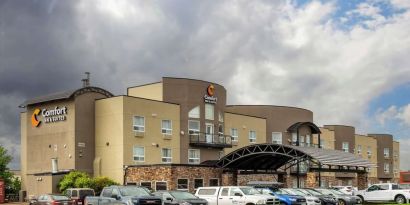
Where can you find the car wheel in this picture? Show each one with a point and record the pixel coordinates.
(361, 200)
(341, 202)
(400, 199)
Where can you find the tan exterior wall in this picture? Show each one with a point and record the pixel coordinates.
(150, 91)
(42, 184)
(23, 148)
(367, 142)
(327, 136)
(396, 160)
(343, 133)
(109, 138)
(244, 124)
(51, 140)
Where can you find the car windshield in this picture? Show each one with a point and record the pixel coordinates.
(84, 193)
(182, 195)
(133, 191)
(59, 197)
(282, 191)
(295, 192)
(249, 190)
(326, 192)
(311, 191)
(336, 192)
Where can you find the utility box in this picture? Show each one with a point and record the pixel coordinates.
(2, 191)
(405, 177)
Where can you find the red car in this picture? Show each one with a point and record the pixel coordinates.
(52, 199)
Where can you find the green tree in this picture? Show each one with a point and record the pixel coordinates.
(70, 180)
(100, 182)
(5, 173)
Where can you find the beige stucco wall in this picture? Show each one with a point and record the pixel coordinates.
(43, 140)
(42, 184)
(150, 91)
(396, 159)
(365, 142)
(244, 124)
(329, 143)
(23, 149)
(114, 125)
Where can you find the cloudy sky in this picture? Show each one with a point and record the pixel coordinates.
(347, 61)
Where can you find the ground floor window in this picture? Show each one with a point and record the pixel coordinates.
(160, 186)
(213, 182)
(198, 183)
(182, 184)
(146, 185)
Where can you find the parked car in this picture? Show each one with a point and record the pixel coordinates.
(79, 194)
(345, 189)
(52, 199)
(123, 195)
(385, 192)
(228, 195)
(284, 196)
(342, 198)
(310, 200)
(180, 198)
(325, 199)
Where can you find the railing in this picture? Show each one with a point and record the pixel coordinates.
(210, 140)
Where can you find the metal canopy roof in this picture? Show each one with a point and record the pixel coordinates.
(314, 129)
(274, 156)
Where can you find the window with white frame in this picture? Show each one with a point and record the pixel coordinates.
(234, 134)
(386, 152)
(214, 182)
(193, 127)
(209, 111)
(221, 117)
(166, 127)
(302, 141)
(182, 184)
(166, 155)
(138, 124)
(194, 112)
(386, 168)
(359, 149)
(146, 184)
(139, 154)
(308, 140)
(252, 136)
(276, 137)
(159, 186)
(345, 146)
(198, 183)
(194, 156)
(220, 129)
(294, 138)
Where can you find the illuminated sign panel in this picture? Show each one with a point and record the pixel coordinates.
(209, 96)
(49, 115)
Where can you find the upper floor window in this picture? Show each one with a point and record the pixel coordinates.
(193, 127)
(308, 140)
(194, 156)
(345, 146)
(294, 138)
(138, 123)
(220, 129)
(166, 155)
(221, 117)
(386, 152)
(234, 134)
(209, 111)
(359, 149)
(386, 168)
(252, 136)
(194, 112)
(139, 154)
(166, 127)
(302, 141)
(277, 137)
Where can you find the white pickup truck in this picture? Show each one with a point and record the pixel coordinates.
(384, 192)
(235, 195)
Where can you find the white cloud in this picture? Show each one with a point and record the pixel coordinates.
(402, 114)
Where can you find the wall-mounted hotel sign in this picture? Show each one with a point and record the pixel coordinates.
(209, 96)
(49, 115)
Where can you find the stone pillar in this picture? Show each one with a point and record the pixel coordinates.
(230, 179)
(362, 180)
(311, 181)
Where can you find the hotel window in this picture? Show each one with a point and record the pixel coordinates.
(221, 117)
(193, 127)
(147, 185)
(194, 112)
(302, 141)
(386, 168)
(166, 155)
(166, 127)
(322, 143)
(160, 186)
(209, 111)
(220, 130)
(139, 154)
(214, 182)
(294, 138)
(182, 184)
(198, 183)
(194, 156)
(139, 124)
(345, 146)
(276, 137)
(386, 152)
(252, 136)
(234, 134)
(307, 140)
(359, 149)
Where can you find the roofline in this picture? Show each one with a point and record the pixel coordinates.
(138, 98)
(136, 86)
(279, 106)
(245, 115)
(170, 165)
(194, 80)
(339, 126)
(380, 134)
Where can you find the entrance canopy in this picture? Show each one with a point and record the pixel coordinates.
(274, 156)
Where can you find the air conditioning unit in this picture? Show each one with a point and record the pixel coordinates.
(139, 134)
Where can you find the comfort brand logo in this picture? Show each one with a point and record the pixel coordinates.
(211, 90)
(209, 96)
(34, 121)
